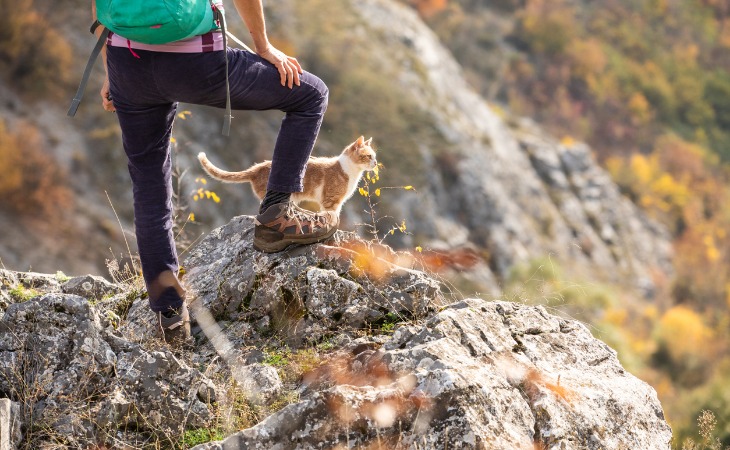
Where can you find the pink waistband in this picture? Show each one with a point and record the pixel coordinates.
(209, 42)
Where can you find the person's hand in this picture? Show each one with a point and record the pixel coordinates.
(106, 99)
(289, 68)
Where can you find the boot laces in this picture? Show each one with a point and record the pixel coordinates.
(300, 215)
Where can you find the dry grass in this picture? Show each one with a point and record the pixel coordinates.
(706, 422)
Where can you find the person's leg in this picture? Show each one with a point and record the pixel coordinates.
(146, 137)
(146, 121)
(255, 85)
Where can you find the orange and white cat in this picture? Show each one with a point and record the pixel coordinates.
(328, 181)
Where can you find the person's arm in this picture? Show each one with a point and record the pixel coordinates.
(105, 98)
(252, 13)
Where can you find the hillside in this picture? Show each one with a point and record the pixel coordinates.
(501, 207)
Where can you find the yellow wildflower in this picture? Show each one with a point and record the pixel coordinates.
(567, 141)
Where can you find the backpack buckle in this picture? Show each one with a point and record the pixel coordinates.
(94, 26)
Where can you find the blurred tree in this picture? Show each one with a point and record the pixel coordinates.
(34, 57)
(32, 184)
(681, 331)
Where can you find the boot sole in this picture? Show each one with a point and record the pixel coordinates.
(277, 246)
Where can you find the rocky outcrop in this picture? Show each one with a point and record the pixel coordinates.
(308, 292)
(78, 382)
(482, 375)
(475, 375)
(393, 361)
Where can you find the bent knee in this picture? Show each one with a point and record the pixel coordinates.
(319, 90)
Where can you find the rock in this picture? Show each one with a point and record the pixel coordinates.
(476, 375)
(472, 374)
(307, 292)
(87, 382)
(139, 324)
(39, 281)
(10, 425)
(162, 389)
(21, 286)
(258, 382)
(90, 287)
(604, 221)
(8, 281)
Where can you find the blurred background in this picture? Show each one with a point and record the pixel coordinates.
(566, 153)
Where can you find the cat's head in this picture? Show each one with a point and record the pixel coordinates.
(362, 154)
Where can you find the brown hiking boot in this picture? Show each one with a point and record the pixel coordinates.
(284, 224)
(175, 326)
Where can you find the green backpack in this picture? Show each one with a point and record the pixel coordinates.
(155, 22)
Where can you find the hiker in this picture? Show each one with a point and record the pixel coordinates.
(143, 86)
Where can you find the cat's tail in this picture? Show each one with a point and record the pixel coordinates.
(219, 174)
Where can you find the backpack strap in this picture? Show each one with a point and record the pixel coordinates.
(87, 73)
(227, 118)
(232, 37)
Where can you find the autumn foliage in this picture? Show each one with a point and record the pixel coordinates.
(31, 184)
(35, 57)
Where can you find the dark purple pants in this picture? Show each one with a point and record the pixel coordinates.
(145, 92)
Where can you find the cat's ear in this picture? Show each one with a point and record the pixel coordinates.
(360, 141)
(369, 141)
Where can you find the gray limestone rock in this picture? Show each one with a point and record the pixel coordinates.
(21, 286)
(90, 286)
(10, 425)
(258, 382)
(18, 287)
(477, 375)
(306, 292)
(470, 375)
(80, 382)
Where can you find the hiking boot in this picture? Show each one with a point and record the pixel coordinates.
(284, 224)
(175, 326)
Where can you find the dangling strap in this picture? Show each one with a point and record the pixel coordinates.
(228, 116)
(87, 73)
(238, 41)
